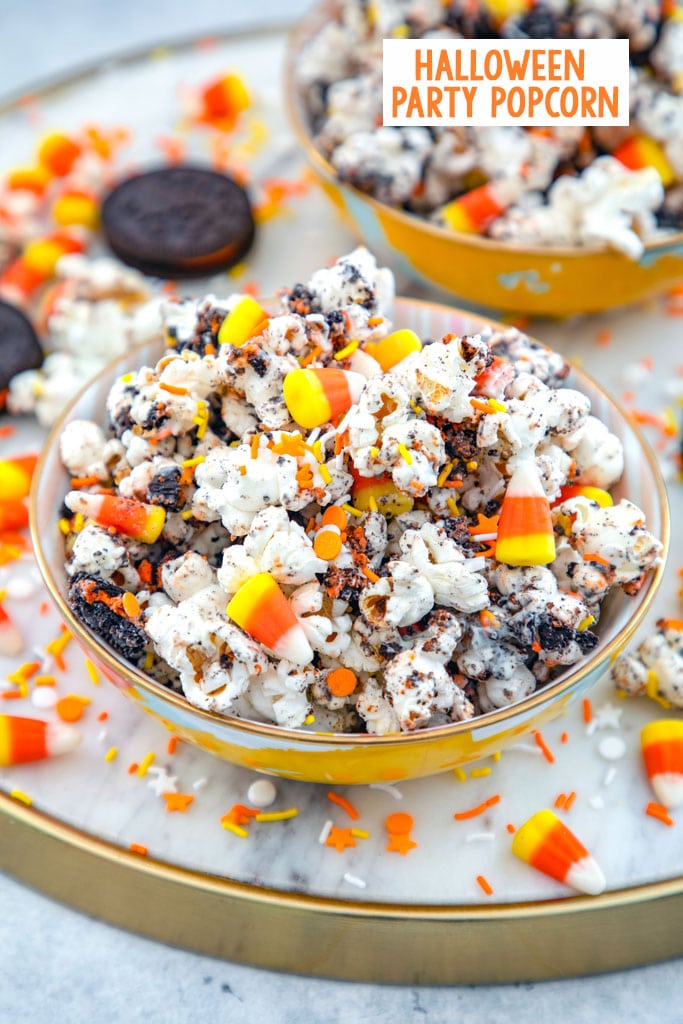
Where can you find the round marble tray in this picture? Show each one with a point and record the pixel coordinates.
(280, 898)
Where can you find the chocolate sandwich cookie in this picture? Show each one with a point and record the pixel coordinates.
(19, 345)
(179, 222)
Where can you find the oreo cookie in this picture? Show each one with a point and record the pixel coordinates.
(179, 222)
(19, 345)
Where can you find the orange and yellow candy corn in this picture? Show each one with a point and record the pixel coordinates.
(639, 152)
(381, 491)
(662, 745)
(314, 397)
(30, 739)
(223, 100)
(125, 515)
(394, 348)
(472, 212)
(13, 514)
(76, 208)
(525, 528)
(58, 153)
(603, 498)
(245, 320)
(15, 477)
(261, 609)
(548, 845)
(11, 640)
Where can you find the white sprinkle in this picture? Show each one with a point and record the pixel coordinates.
(44, 697)
(261, 793)
(102, 735)
(386, 787)
(478, 837)
(608, 716)
(526, 748)
(596, 802)
(327, 828)
(610, 776)
(612, 748)
(161, 782)
(20, 588)
(591, 727)
(481, 537)
(354, 880)
(200, 783)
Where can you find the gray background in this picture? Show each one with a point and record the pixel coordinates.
(56, 964)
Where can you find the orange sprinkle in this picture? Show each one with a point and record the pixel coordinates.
(11, 694)
(341, 682)
(172, 744)
(659, 812)
(345, 804)
(6, 431)
(569, 801)
(103, 716)
(243, 470)
(560, 801)
(547, 753)
(334, 515)
(133, 767)
(239, 815)
(173, 390)
(476, 403)
(209, 350)
(71, 707)
(327, 545)
(131, 605)
(45, 681)
(375, 321)
(596, 558)
(484, 885)
(178, 801)
(44, 607)
(399, 823)
(510, 828)
(255, 441)
(474, 812)
(367, 571)
(564, 737)
(400, 843)
(145, 571)
(78, 482)
(340, 838)
(139, 849)
(603, 337)
(587, 710)
(310, 356)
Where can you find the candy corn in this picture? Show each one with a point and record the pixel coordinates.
(500, 10)
(603, 498)
(245, 320)
(13, 514)
(314, 397)
(28, 179)
(392, 349)
(662, 745)
(58, 153)
(222, 101)
(132, 518)
(76, 208)
(641, 151)
(11, 640)
(15, 477)
(381, 491)
(261, 609)
(548, 845)
(472, 212)
(525, 529)
(29, 739)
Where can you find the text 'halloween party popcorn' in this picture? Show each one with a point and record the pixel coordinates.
(310, 517)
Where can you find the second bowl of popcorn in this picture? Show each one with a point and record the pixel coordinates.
(551, 221)
(353, 538)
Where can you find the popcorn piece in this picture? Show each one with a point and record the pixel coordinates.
(655, 668)
(274, 544)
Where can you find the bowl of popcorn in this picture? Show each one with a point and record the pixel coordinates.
(347, 537)
(556, 220)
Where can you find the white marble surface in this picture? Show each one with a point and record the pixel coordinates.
(58, 963)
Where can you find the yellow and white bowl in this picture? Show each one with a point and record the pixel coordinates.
(351, 758)
(541, 281)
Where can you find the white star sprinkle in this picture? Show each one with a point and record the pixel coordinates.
(608, 716)
(160, 781)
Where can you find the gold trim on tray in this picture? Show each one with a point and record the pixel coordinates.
(334, 938)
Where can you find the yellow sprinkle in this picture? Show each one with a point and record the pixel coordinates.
(111, 754)
(460, 775)
(317, 450)
(309, 719)
(400, 32)
(3, 595)
(193, 462)
(348, 350)
(149, 660)
(452, 506)
(652, 689)
(359, 833)
(235, 829)
(417, 409)
(374, 452)
(255, 441)
(479, 773)
(352, 511)
(64, 526)
(147, 760)
(78, 523)
(325, 473)
(372, 504)
(471, 465)
(585, 623)
(187, 514)
(18, 794)
(497, 406)
(127, 378)
(497, 756)
(57, 645)
(92, 672)
(444, 474)
(405, 454)
(237, 269)
(44, 681)
(291, 812)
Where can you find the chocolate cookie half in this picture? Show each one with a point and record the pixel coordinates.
(179, 222)
(19, 345)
